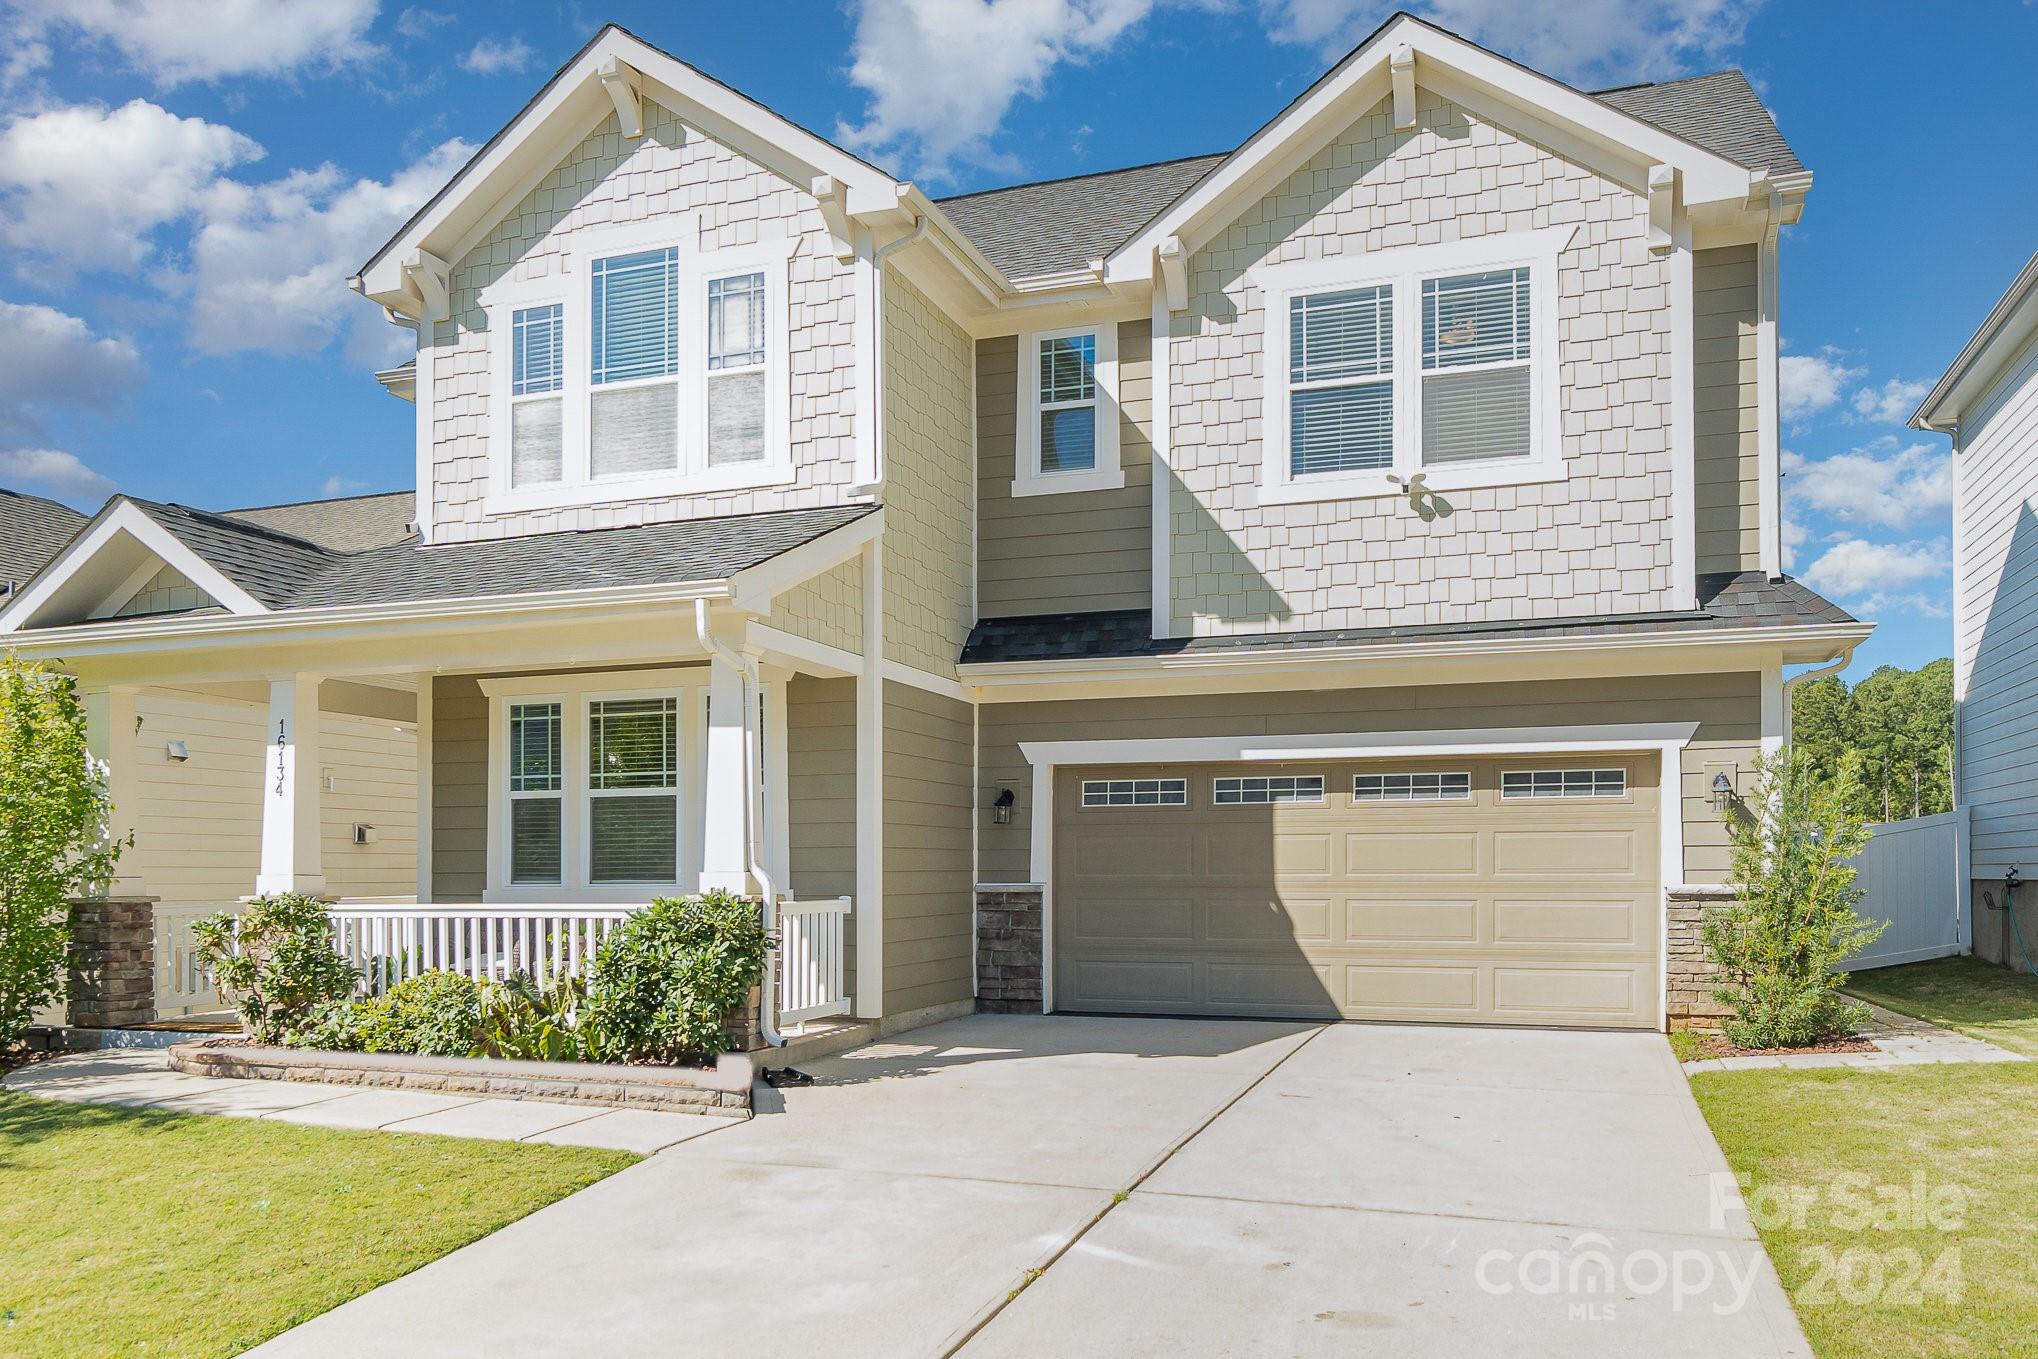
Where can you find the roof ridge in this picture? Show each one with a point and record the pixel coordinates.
(42, 500)
(318, 500)
(1673, 80)
(224, 521)
(1087, 174)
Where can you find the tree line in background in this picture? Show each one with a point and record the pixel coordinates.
(1900, 722)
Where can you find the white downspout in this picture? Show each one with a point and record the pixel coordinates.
(1833, 668)
(767, 1006)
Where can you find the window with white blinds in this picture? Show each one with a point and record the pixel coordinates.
(736, 369)
(1067, 434)
(1475, 367)
(1067, 371)
(535, 806)
(1341, 381)
(633, 414)
(632, 790)
(537, 376)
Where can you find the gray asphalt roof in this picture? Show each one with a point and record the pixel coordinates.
(345, 524)
(1060, 224)
(285, 572)
(32, 530)
(1747, 600)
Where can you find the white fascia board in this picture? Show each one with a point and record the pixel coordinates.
(753, 589)
(572, 105)
(1363, 79)
(1364, 745)
(2002, 334)
(123, 516)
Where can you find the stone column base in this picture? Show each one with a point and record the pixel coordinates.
(1009, 936)
(1689, 979)
(112, 962)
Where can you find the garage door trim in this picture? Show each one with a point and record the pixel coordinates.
(1665, 739)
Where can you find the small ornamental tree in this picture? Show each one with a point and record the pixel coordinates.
(274, 961)
(1782, 941)
(53, 839)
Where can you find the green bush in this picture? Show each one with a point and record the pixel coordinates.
(1781, 942)
(434, 1014)
(274, 962)
(663, 981)
(549, 1023)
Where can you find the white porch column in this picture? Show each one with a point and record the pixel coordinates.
(111, 720)
(870, 793)
(727, 788)
(290, 790)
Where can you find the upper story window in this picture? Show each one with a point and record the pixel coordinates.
(640, 368)
(1067, 435)
(1430, 360)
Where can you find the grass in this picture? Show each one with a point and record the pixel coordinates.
(1918, 1148)
(136, 1232)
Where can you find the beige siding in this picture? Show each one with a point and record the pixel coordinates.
(827, 609)
(1728, 409)
(1726, 707)
(1072, 553)
(1995, 583)
(928, 491)
(459, 789)
(928, 891)
(821, 791)
(609, 179)
(1597, 542)
(198, 838)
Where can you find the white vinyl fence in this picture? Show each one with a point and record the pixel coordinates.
(1914, 875)
(390, 944)
(812, 939)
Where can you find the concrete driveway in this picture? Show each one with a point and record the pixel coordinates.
(1025, 1186)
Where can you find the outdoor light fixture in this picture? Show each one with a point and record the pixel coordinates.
(1001, 810)
(1722, 791)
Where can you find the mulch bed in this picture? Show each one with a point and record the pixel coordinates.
(1717, 1045)
(17, 1057)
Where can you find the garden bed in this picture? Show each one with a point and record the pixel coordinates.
(722, 1090)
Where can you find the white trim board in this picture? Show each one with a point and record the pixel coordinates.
(121, 516)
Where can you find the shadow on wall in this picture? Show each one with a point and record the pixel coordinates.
(1998, 736)
(1210, 575)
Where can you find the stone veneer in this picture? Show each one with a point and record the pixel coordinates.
(112, 962)
(1689, 980)
(1008, 947)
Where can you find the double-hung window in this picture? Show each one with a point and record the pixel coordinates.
(633, 790)
(537, 408)
(633, 410)
(1067, 435)
(1431, 361)
(536, 794)
(736, 369)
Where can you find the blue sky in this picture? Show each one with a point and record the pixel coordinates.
(183, 189)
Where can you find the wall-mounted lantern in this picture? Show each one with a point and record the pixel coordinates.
(1722, 792)
(1001, 810)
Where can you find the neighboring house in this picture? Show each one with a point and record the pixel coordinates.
(32, 530)
(1337, 577)
(1988, 402)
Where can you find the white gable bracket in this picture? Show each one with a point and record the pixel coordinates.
(1173, 262)
(625, 91)
(1662, 208)
(429, 276)
(834, 205)
(1402, 67)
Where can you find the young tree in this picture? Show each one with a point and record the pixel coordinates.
(53, 840)
(1782, 941)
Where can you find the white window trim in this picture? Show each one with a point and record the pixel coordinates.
(1404, 269)
(1109, 473)
(570, 288)
(573, 693)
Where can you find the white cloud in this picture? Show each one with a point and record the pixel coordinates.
(1876, 606)
(85, 186)
(177, 41)
(54, 471)
(942, 74)
(1810, 383)
(1854, 567)
(50, 360)
(269, 262)
(1883, 482)
(1795, 536)
(336, 486)
(418, 23)
(498, 56)
(1587, 42)
(1893, 403)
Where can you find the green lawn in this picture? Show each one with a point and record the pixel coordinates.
(1910, 1146)
(133, 1232)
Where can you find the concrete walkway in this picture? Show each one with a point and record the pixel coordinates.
(1900, 1041)
(141, 1078)
(1007, 1185)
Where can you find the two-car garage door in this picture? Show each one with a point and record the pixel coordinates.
(1469, 890)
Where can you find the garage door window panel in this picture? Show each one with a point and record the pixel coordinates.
(1135, 792)
(1259, 791)
(1536, 784)
(1415, 786)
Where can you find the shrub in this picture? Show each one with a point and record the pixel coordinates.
(274, 962)
(434, 1014)
(53, 841)
(549, 1023)
(663, 981)
(1781, 942)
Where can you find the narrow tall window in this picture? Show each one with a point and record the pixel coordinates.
(1068, 403)
(1475, 367)
(634, 412)
(534, 791)
(1341, 381)
(736, 385)
(633, 783)
(537, 373)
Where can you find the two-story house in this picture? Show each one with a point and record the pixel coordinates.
(1340, 576)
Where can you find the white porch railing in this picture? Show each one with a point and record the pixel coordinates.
(811, 939)
(390, 944)
(182, 987)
